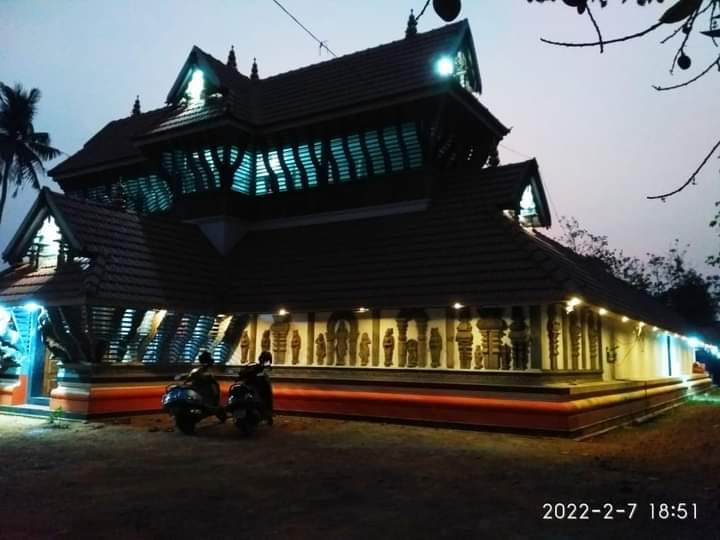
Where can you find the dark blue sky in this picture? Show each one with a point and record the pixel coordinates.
(603, 137)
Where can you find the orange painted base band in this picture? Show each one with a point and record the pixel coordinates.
(14, 393)
(560, 416)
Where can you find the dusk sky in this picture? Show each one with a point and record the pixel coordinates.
(603, 137)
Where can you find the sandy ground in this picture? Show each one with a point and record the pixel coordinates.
(319, 478)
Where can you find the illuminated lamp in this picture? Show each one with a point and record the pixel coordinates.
(625, 319)
(196, 85)
(694, 342)
(362, 310)
(655, 329)
(602, 311)
(570, 304)
(282, 312)
(445, 67)
(458, 305)
(32, 306)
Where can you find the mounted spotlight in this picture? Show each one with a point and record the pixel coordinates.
(447, 10)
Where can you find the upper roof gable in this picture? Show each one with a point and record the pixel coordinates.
(43, 207)
(220, 77)
(405, 67)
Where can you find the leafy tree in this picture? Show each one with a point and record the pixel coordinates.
(22, 149)
(667, 277)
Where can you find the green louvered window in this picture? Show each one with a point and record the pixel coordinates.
(147, 194)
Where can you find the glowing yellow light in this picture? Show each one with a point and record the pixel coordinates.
(624, 319)
(282, 312)
(570, 304)
(602, 311)
(362, 310)
(458, 305)
(655, 329)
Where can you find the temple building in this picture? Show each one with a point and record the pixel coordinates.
(353, 218)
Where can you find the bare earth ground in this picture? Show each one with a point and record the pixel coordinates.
(319, 478)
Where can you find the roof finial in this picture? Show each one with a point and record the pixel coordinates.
(231, 61)
(136, 106)
(254, 73)
(411, 29)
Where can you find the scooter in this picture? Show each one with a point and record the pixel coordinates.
(250, 397)
(195, 396)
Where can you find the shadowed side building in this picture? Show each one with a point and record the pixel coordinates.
(352, 218)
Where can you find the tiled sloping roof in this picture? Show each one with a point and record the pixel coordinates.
(460, 249)
(136, 261)
(143, 260)
(600, 287)
(21, 284)
(378, 73)
(112, 143)
(456, 250)
(390, 69)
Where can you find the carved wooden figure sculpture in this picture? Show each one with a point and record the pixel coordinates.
(244, 347)
(478, 357)
(342, 343)
(435, 347)
(265, 341)
(295, 344)
(464, 339)
(389, 346)
(412, 353)
(320, 350)
(364, 349)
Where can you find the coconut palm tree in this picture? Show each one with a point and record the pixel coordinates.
(22, 149)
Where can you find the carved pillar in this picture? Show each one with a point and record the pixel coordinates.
(535, 337)
(593, 339)
(575, 332)
(330, 342)
(310, 338)
(450, 338)
(520, 339)
(280, 329)
(353, 336)
(341, 338)
(253, 336)
(464, 339)
(553, 333)
(375, 337)
(402, 325)
(492, 330)
(422, 342)
(435, 347)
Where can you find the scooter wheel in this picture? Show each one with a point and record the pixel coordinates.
(185, 424)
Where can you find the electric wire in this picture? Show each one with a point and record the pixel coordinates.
(321, 43)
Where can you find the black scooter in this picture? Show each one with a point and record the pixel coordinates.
(250, 398)
(194, 397)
